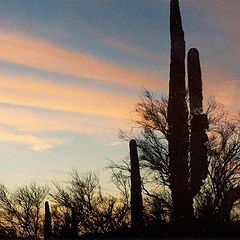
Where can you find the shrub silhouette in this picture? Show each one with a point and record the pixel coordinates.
(21, 209)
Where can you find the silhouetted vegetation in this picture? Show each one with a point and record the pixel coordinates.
(136, 194)
(198, 124)
(21, 210)
(190, 172)
(82, 208)
(47, 222)
(177, 119)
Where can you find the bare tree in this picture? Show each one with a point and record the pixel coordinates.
(95, 212)
(222, 188)
(220, 191)
(21, 209)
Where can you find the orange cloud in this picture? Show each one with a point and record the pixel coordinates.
(222, 85)
(20, 49)
(37, 92)
(26, 120)
(75, 108)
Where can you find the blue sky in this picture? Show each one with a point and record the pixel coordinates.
(71, 73)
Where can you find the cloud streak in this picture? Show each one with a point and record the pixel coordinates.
(35, 143)
(222, 85)
(34, 128)
(36, 92)
(128, 47)
(36, 121)
(36, 53)
(30, 105)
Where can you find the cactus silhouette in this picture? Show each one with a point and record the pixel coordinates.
(74, 224)
(177, 118)
(47, 222)
(194, 81)
(185, 181)
(199, 123)
(136, 195)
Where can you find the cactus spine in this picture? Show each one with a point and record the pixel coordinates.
(178, 129)
(47, 222)
(136, 195)
(199, 123)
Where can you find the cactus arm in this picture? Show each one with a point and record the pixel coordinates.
(199, 123)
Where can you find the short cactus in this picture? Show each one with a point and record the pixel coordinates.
(74, 224)
(47, 222)
(136, 195)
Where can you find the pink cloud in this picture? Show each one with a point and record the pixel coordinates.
(36, 92)
(222, 85)
(27, 51)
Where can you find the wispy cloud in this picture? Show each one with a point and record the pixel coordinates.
(114, 143)
(35, 143)
(34, 127)
(222, 85)
(127, 47)
(224, 14)
(220, 54)
(223, 20)
(37, 53)
(25, 119)
(30, 105)
(36, 92)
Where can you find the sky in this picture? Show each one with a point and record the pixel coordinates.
(72, 71)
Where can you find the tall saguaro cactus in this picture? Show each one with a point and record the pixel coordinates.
(199, 123)
(178, 129)
(136, 195)
(47, 222)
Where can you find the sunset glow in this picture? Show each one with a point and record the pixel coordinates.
(71, 73)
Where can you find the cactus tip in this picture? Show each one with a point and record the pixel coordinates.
(132, 143)
(193, 51)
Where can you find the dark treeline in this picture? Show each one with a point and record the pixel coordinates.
(79, 207)
(181, 178)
